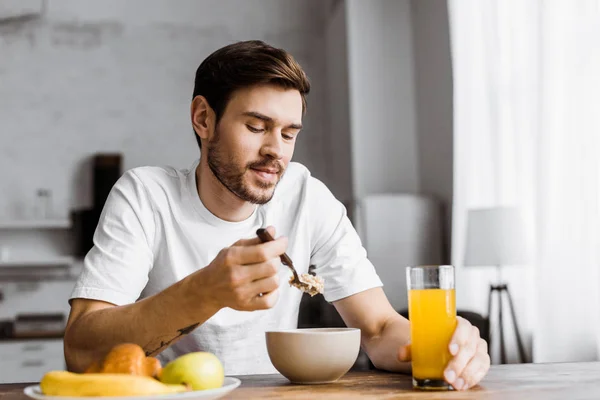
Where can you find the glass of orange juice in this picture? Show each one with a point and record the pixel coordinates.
(432, 315)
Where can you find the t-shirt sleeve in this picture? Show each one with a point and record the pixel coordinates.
(116, 269)
(337, 252)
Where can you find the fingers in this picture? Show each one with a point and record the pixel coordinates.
(255, 272)
(404, 353)
(249, 272)
(462, 333)
(244, 255)
(477, 367)
(266, 301)
(265, 285)
(246, 274)
(255, 240)
(463, 347)
(256, 253)
(254, 295)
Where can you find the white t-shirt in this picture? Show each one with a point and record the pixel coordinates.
(154, 231)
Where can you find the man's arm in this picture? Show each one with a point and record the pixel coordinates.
(234, 279)
(154, 323)
(384, 331)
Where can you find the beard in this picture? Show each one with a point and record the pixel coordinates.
(227, 171)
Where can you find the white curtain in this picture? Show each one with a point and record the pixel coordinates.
(527, 133)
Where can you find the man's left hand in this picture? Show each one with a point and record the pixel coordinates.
(470, 361)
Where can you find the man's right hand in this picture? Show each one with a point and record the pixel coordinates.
(244, 276)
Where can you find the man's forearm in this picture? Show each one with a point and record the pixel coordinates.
(153, 323)
(383, 349)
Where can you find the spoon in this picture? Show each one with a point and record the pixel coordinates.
(265, 236)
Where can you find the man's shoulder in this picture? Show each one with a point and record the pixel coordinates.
(156, 175)
(153, 181)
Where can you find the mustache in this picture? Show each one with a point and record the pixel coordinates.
(267, 164)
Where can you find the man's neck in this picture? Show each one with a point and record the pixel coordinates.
(218, 199)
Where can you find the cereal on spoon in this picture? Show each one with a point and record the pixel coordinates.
(310, 284)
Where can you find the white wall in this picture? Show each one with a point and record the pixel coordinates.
(421, 145)
(434, 97)
(106, 76)
(389, 76)
(338, 96)
(382, 99)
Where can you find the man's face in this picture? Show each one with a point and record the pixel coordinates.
(254, 140)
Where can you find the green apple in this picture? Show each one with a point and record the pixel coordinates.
(200, 370)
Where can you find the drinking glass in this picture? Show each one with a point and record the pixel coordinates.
(432, 314)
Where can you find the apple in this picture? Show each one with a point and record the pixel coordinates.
(199, 370)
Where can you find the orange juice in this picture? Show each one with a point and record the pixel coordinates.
(432, 314)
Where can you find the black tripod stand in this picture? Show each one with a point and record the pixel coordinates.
(503, 288)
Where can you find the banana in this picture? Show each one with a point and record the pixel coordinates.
(64, 383)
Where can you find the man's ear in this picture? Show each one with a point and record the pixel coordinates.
(203, 118)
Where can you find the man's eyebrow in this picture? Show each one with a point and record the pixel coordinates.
(265, 118)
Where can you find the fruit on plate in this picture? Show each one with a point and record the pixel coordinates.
(200, 370)
(127, 358)
(64, 383)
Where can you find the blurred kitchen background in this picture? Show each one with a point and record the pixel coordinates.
(461, 131)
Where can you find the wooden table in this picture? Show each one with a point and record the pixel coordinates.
(569, 381)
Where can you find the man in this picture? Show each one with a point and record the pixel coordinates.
(176, 265)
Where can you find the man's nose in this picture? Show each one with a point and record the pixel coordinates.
(273, 146)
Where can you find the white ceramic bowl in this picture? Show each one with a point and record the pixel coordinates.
(316, 355)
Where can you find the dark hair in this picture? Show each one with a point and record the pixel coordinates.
(243, 64)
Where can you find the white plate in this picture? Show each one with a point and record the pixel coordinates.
(228, 385)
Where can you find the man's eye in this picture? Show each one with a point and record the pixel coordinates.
(253, 129)
(288, 137)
